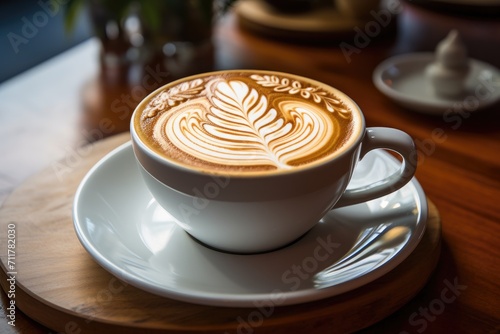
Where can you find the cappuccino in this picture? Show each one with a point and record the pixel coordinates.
(247, 161)
(247, 121)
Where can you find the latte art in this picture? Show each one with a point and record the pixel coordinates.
(245, 122)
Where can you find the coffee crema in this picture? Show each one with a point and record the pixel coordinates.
(238, 121)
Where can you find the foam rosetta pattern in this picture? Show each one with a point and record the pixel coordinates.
(246, 121)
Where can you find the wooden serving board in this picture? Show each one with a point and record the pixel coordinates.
(59, 285)
(321, 24)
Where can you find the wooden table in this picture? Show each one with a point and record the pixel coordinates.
(43, 118)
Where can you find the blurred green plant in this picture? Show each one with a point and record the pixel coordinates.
(152, 11)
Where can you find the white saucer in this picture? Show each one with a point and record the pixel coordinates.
(126, 232)
(402, 78)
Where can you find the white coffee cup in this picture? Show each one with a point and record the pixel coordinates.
(263, 211)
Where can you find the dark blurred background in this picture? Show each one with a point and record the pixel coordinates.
(32, 31)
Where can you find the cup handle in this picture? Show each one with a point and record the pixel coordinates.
(390, 139)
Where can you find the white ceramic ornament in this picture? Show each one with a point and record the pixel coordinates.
(449, 71)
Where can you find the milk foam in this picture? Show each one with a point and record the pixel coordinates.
(245, 121)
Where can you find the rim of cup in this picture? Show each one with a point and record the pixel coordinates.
(346, 148)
